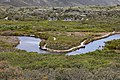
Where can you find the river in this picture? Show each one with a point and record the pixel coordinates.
(31, 44)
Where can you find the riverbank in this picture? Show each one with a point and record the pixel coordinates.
(81, 44)
(101, 37)
(63, 51)
(31, 63)
(8, 43)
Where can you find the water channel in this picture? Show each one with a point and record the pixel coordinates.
(31, 44)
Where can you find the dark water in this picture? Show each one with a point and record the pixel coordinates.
(31, 44)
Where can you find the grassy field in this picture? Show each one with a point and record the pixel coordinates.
(21, 65)
(60, 29)
(92, 60)
(93, 25)
(103, 64)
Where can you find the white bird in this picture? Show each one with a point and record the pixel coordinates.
(54, 38)
(6, 18)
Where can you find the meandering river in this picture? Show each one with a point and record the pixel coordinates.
(31, 44)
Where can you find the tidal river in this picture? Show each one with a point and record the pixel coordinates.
(31, 44)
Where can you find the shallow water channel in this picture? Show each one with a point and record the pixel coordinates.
(31, 44)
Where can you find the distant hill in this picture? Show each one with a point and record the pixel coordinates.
(55, 3)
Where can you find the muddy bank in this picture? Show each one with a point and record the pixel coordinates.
(10, 39)
(8, 43)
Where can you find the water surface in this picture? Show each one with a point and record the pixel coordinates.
(95, 45)
(31, 44)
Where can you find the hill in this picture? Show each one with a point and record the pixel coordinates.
(58, 3)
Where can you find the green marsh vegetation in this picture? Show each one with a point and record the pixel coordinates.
(113, 45)
(98, 64)
(48, 29)
(22, 65)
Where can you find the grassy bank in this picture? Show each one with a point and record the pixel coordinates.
(103, 64)
(7, 43)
